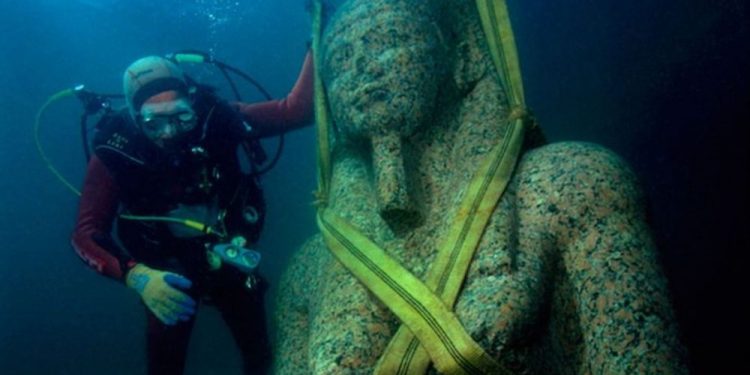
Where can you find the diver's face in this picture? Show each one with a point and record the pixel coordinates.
(164, 119)
(380, 66)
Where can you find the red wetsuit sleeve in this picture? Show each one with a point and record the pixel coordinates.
(96, 212)
(276, 116)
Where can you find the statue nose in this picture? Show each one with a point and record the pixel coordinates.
(395, 201)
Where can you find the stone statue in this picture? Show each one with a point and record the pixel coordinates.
(565, 279)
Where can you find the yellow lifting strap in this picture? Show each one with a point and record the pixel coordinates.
(438, 329)
(404, 355)
(322, 116)
(434, 333)
(457, 246)
(502, 45)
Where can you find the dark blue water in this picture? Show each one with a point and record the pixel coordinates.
(56, 315)
(665, 84)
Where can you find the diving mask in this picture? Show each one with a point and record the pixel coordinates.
(162, 121)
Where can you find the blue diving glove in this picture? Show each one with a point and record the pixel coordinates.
(161, 292)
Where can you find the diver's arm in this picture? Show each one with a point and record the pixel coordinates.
(277, 116)
(96, 211)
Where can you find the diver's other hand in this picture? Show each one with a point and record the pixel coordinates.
(161, 292)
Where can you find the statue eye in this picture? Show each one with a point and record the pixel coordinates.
(341, 56)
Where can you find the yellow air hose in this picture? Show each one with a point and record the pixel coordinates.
(207, 229)
(37, 123)
(62, 94)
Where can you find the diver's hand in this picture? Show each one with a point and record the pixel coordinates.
(161, 293)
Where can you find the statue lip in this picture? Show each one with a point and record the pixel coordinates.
(369, 88)
(369, 93)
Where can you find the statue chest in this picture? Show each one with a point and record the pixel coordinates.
(501, 296)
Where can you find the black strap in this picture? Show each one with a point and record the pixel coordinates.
(158, 86)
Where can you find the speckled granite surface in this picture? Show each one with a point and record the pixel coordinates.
(565, 280)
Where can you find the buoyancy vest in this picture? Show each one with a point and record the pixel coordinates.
(212, 169)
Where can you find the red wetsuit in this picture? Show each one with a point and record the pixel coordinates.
(99, 200)
(241, 309)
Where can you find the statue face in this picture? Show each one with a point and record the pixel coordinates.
(380, 68)
(379, 65)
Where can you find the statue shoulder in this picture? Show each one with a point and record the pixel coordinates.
(577, 183)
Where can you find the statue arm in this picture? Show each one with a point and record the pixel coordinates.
(292, 317)
(610, 259)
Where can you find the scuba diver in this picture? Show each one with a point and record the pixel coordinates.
(176, 173)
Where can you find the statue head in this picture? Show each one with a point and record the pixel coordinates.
(389, 67)
(381, 66)
(380, 63)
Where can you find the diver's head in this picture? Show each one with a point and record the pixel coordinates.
(157, 95)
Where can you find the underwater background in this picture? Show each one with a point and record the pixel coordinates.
(664, 84)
